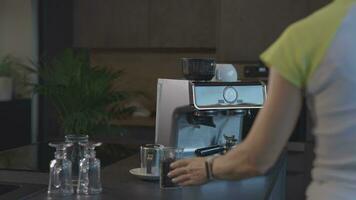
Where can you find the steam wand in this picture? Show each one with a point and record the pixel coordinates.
(230, 142)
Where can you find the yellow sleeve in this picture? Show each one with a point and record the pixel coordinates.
(283, 57)
(302, 46)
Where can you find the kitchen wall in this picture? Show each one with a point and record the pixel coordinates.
(17, 29)
(143, 68)
(18, 33)
(19, 38)
(244, 30)
(120, 36)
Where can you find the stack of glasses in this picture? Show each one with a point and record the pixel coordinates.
(60, 177)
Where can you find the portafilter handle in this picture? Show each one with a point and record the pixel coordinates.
(211, 150)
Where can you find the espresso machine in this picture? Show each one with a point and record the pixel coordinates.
(198, 114)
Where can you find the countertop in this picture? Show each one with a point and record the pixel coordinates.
(119, 184)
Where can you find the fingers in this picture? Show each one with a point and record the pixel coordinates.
(188, 172)
(178, 172)
(181, 179)
(179, 163)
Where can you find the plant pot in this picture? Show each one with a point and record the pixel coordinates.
(6, 85)
(75, 153)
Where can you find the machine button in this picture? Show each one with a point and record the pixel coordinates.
(230, 94)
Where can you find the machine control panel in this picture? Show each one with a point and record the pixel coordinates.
(227, 95)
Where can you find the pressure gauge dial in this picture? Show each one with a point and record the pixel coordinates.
(230, 94)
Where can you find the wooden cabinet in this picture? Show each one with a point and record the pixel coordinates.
(239, 29)
(111, 23)
(247, 28)
(130, 24)
(183, 23)
(145, 23)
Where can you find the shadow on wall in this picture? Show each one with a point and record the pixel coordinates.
(142, 69)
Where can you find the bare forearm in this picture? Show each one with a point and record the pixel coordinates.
(258, 152)
(236, 165)
(269, 134)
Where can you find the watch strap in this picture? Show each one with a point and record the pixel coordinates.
(209, 167)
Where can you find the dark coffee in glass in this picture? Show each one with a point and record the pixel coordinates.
(165, 168)
(168, 156)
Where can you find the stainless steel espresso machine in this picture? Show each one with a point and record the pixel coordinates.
(213, 115)
(198, 114)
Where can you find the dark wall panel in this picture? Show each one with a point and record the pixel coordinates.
(15, 123)
(56, 34)
(111, 23)
(247, 28)
(183, 24)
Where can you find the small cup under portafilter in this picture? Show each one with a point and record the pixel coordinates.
(200, 69)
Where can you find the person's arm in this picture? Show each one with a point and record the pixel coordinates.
(265, 141)
(268, 135)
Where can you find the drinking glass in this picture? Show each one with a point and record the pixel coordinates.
(60, 176)
(168, 156)
(150, 157)
(75, 153)
(89, 170)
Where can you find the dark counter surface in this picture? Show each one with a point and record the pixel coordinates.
(36, 157)
(119, 184)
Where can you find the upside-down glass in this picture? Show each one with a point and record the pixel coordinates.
(168, 156)
(60, 176)
(75, 153)
(89, 170)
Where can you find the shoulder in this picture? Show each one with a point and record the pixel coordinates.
(300, 48)
(323, 21)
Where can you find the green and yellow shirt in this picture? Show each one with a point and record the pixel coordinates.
(318, 55)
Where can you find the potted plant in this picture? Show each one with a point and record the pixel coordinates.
(82, 95)
(6, 80)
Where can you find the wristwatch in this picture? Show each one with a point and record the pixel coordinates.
(209, 167)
